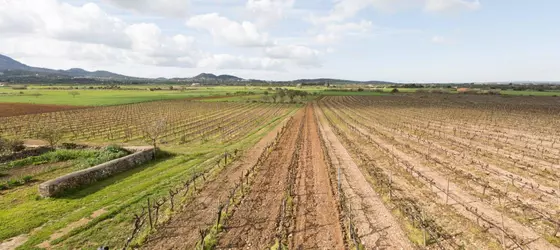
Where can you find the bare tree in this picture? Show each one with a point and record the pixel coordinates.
(153, 132)
(74, 93)
(52, 134)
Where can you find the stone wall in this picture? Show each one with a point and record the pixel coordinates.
(88, 176)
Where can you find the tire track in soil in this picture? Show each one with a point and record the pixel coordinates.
(377, 227)
(317, 221)
(253, 224)
(181, 232)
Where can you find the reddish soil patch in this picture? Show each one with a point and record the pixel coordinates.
(316, 224)
(13, 109)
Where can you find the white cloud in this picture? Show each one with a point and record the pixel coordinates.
(451, 5)
(86, 23)
(79, 31)
(346, 9)
(172, 8)
(268, 11)
(301, 55)
(335, 31)
(442, 40)
(226, 61)
(438, 39)
(243, 34)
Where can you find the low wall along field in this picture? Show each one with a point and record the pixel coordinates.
(87, 176)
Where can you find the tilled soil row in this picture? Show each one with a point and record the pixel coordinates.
(491, 216)
(254, 223)
(375, 226)
(182, 231)
(316, 221)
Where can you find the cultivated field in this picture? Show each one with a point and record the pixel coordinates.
(391, 171)
(194, 136)
(468, 171)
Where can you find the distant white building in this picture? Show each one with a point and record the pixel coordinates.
(195, 84)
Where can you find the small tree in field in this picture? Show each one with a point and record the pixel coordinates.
(281, 95)
(52, 134)
(74, 93)
(153, 132)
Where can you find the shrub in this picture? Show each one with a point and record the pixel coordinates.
(3, 186)
(27, 179)
(109, 153)
(394, 90)
(53, 156)
(14, 183)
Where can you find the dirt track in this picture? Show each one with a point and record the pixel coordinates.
(317, 224)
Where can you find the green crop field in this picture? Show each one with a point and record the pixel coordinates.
(103, 97)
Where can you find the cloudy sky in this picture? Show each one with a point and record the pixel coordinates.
(394, 40)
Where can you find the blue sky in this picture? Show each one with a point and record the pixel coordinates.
(393, 40)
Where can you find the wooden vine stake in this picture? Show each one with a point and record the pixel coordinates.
(503, 225)
(220, 208)
(150, 214)
(447, 193)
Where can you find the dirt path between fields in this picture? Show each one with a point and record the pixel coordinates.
(377, 228)
(181, 232)
(253, 224)
(317, 220)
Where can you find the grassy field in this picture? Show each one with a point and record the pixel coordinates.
(134, 94)
(102, 97)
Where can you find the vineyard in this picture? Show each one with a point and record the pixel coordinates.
(194, 138)
(185, 121)
(461, 171)
(402, 171)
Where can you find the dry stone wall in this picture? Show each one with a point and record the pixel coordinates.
(88, 176)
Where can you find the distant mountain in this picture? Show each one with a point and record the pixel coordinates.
(11, 67)
(14, 71)
(212, 77)
(7, 63)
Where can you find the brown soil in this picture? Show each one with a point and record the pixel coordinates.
(13, 109)
(182, 230)
(317, 224)
(377, 228)
(14, 242)
(412, 137)
(253, 225)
